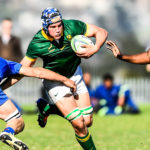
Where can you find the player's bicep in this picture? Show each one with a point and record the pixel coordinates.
(93, 29)
(27, 61)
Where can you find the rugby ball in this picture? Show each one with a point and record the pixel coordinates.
(79, 40)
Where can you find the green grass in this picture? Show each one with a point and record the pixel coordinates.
(126, 132)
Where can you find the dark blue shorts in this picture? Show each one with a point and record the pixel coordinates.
(3, 97)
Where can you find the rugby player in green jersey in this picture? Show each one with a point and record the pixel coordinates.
(53, 45)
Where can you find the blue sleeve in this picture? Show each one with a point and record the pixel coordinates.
(14, 67)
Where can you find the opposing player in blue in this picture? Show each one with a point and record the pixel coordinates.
(8, 112)
(114, 99)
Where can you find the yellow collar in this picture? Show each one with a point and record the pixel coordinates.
(48, 37)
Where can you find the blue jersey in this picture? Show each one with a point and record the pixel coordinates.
(111, 95)
(7, 69)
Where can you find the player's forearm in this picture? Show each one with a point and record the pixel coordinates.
(42, 74)
(50, 75)
(10, 81)
(142, 58)
(101, 36)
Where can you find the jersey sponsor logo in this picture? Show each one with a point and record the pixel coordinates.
(69, 37)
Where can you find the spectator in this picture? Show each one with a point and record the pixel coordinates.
(87, 80)
(10, 46)
(114, 99)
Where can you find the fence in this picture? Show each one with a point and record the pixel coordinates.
(140, 88)
(28, 90)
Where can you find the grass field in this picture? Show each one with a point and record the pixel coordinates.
(127, 132)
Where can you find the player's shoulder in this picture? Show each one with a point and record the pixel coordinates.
(72, 21)
(74, 26)
(37, 38)
(100, 87)
(116, 86)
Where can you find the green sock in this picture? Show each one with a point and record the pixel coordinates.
(86, 142)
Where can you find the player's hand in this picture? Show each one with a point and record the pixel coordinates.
(89, 51)
(70, 84)
(114, 48)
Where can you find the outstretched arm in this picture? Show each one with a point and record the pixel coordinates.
(42, 73)
(47, 74)
(142, 58)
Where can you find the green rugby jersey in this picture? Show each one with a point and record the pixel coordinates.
(60, 57)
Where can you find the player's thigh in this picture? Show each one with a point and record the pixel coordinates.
(7, 108)
(83, 100)
(66, 104)
(61, 96)
(84, 104)
(71, 112)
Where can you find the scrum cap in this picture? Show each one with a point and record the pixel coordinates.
(50, 16)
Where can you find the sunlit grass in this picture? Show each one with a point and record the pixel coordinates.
(126, 132)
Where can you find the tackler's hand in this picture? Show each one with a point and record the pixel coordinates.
(114, 48)
(70, 84)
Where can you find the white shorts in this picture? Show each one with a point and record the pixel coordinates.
(57, 90)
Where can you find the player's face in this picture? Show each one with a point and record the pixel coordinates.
(7, 27)
(55, 30)
(108, 83)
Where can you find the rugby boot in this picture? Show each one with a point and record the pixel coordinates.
(45, 109)
(12, 141)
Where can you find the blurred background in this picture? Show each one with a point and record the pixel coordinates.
(128, 24)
